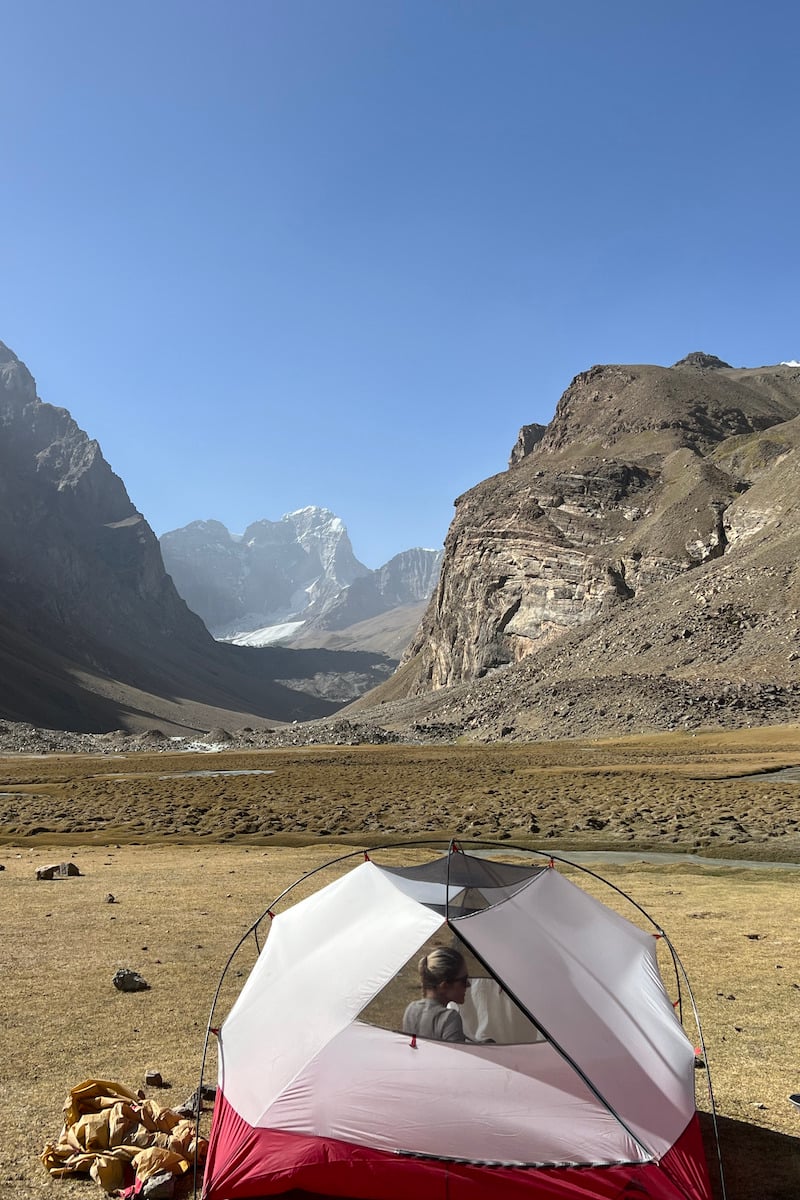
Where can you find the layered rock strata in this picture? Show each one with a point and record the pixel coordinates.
(644, 474)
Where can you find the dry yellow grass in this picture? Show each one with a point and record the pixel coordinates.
(181, 909)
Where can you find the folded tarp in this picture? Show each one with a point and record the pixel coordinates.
(114, 1136)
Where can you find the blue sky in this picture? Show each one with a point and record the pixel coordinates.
(273, 253)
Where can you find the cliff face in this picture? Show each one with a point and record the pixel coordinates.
(643, 475)
(75, 551)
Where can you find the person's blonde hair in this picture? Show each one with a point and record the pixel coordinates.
(441, 965)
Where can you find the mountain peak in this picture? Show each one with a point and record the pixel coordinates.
(311, 512)
(15, 378)
(706, 362)
(315, 521)
(268, 576)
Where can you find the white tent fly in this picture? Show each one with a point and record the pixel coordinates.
(577, 1079)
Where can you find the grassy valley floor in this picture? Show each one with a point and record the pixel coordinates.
(716, 794)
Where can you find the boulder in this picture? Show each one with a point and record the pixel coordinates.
(126, 980)
(57, 871)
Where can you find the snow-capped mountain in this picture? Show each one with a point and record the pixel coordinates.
(282, 577)
(406, 579)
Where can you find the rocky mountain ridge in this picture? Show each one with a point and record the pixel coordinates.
(93, 634)
(644, 475)
(291, 581)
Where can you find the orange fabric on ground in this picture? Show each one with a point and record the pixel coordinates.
(107, 1127)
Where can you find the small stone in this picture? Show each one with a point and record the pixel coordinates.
(153, 1079)
(197, 1101)
(126, 980)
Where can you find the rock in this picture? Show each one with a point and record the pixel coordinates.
(126, 980)
(528, 439)
(202, 1095)
(57, 871)
(153, 1079)
(160, 1186)
(217, 736)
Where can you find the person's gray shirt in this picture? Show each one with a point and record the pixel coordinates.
(429, 1019)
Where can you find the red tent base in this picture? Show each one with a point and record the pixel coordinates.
(245, 1163)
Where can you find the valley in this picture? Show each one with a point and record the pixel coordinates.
(719, 795)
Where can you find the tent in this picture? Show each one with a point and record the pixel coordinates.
(577, 1083)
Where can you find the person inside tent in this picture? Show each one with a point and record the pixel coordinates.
(444, 978)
